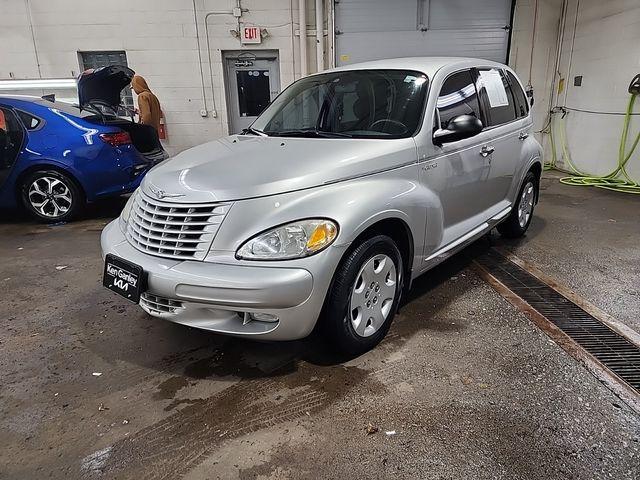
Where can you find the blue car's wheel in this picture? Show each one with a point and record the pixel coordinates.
(51, 196)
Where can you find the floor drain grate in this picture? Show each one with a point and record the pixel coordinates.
(611, 349)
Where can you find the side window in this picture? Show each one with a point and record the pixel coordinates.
(29, 121)
(522, 105)
(497, 96)
(458, 96)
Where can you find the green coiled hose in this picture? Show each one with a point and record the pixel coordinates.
(618, 180)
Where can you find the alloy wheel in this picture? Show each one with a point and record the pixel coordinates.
(372, 295)
(50, 196)
(525, 206)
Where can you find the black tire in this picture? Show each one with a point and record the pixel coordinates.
(337, 317)
(58, 208)
(516, 225)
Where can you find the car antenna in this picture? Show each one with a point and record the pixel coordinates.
(49, 98)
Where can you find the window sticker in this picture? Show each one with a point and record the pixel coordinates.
(492, 82)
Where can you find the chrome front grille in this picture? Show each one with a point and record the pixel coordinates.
(155, 304)
(174, 230)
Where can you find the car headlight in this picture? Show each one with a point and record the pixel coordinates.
(126, 212)
(293, 240)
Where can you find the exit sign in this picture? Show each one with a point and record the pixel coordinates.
(250, 34)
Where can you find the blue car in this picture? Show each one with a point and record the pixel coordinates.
(55, 157)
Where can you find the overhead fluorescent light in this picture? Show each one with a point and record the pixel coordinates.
(32, 84)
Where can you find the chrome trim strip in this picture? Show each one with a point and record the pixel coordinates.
(457, 242)
(502, 214)
(373, 172)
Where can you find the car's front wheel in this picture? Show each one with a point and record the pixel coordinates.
(51, 196)
(364, 296)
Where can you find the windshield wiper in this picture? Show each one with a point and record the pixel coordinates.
(253, 131)
(310, 133)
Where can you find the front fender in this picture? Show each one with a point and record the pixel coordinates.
(355, 205)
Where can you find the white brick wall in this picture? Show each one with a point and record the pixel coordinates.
(159, 37)
(607, 54)
(544, 51)
(160, 40)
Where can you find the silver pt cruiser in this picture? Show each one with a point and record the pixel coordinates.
(351, 184)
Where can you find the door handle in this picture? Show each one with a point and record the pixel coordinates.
(523, 135)
(487, 150)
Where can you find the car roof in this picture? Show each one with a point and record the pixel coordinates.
(427, 65)
(23, 99)
(27, 101)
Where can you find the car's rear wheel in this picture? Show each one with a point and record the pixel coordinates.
(364, 296)
(521, 214)
(52, 196)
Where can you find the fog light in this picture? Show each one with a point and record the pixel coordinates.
(263, 317)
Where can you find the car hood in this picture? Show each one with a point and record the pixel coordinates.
(240, 167)
(103, 84)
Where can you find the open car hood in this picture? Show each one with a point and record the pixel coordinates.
(103, 85)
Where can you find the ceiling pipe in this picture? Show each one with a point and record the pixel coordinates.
(33, 37)
(302, 19)
(206, 32)
(236, 12)
(319, 35)
(293, 38)
(204, 94)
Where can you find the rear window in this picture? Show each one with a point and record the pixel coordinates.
(29, 121)
(497, 96)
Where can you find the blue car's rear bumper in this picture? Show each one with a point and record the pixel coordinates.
(122, 189)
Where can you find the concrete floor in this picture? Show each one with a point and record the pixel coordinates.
(471, 388)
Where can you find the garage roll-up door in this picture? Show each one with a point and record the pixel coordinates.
(374, 29)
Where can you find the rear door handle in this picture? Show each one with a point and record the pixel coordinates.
(523, 135)
(487, 150)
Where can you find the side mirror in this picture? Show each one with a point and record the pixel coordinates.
(459, 128)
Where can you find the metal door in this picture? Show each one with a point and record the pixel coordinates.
(252, 82)
(506, 143)
(456, 173)
(376, 29)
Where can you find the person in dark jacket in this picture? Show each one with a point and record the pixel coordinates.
(148, 103)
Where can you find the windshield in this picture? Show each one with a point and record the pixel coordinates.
(356, 103)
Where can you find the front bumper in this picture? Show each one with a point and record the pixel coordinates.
(218, 297)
